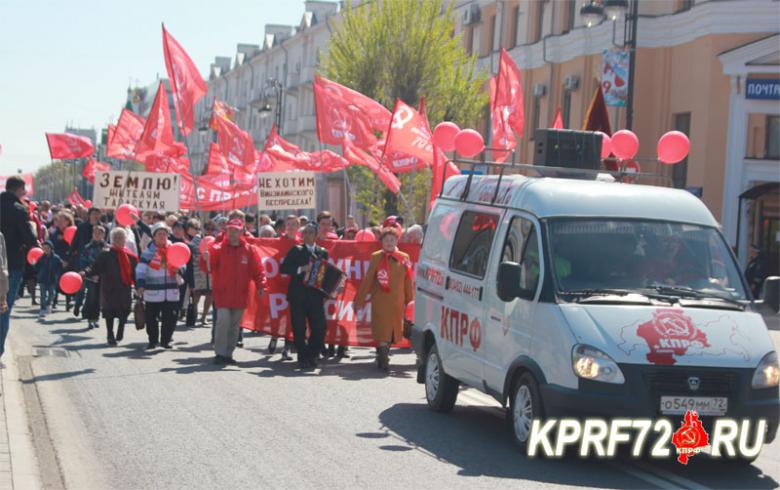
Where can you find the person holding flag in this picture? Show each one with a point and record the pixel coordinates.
(389, 287)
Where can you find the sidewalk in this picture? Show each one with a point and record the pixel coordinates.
(18, 462)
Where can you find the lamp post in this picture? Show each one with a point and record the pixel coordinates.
(276, 86)
(595, 12)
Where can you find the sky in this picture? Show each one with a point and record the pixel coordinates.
(70, 62)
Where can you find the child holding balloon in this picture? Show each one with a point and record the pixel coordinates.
(48, 270)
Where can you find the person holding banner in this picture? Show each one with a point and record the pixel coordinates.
(305, 303)
(157, 283)
(388, 285)
(234, 263)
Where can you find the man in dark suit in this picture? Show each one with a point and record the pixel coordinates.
(305, 303)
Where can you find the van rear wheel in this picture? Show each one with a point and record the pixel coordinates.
(525, 405)
(441, 390)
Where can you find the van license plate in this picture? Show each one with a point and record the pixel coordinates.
(703, 405)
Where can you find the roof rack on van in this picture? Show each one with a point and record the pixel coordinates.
(621, 175)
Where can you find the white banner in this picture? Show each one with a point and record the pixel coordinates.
(147, 191)
(286, 190)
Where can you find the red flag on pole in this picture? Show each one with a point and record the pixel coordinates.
(346, 115)
(235, 144)
(410, 136)
(280, 155)
(159, 162)
(157, 136)
(597, 117)
(66, 146)
(93, 166)
(221, 110)
(357, 156)
(502, 137)
(558, 121)
(125, 136)
(216, 163)
(509, 93)
(186, 83)
(75, 198)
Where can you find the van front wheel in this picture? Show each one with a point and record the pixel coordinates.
(525, 405)
(441, 390)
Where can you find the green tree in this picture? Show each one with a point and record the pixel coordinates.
(405, 49)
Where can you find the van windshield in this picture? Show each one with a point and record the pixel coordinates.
(636, 255)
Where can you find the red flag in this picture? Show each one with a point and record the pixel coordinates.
(443, 169)
(91, 167)
(221, 110)
(157, 136)
(558, 121)
(409, 135)
(126, 135)
(280, 155)
(346, 115)
(597, 117)
(509, 92)
(110, 135)
(186, 83)
(75, 198)
(66, 145)
(216, 163)
(158, 162)
(502, 137)
(235, 144)
(357, 156)
(216, 193)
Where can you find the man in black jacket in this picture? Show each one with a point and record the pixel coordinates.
(305, 303)
(80, 241)
(19, 238)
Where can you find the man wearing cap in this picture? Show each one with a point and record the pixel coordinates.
(305, 303)
(234, 263)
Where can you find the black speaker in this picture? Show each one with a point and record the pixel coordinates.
(567, 149)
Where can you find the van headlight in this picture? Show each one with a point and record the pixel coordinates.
(591, 363)
(767, 373)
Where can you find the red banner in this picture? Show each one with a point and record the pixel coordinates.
(216, 163)
(270, 314)
(344, 115)
(125, 137)
(186, 83)
(235, 144)
(91, 167)
(216, 193)
(66, 146)
(408, 135)
(502, 137)
(157, 136)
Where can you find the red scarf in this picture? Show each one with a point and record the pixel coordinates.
(160, 260)
(383, 273)
(125, 269)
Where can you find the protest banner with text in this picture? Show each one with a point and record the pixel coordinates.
(286, 190)
(147, 191)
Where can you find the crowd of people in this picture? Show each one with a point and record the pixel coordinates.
(126, 269)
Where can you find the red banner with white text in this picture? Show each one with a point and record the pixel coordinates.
(270, 314)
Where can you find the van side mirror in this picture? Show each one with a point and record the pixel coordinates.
(509, 282)
(771, 293)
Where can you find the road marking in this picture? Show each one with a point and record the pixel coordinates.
(645, 476)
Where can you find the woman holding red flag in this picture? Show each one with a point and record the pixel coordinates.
(158, 284)
(115, 266)
(389, 286)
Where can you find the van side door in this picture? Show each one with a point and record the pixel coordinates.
(510, 325)
(464, 312)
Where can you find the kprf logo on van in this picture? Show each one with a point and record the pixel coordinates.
(670, 333)
(456, 327)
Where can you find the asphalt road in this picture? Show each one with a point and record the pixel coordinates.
(122, 417)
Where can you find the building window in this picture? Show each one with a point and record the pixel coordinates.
(468, 37)
(516, 26)
(566, 109)
(539, 20)
(772, 137)
(683, 5)
(682, 123)
(571, 15)
(491, 39)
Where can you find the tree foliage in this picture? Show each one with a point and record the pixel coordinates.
(405, 49)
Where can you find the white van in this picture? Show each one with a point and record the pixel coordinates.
(587, 298)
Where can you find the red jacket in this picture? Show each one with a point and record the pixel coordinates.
(232, 268)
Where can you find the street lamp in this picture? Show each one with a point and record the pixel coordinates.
(276, 86)
(594, 12)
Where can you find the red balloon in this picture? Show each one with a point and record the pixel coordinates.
(365, 236)
(87, 204)
(70, 282)
(469, 143)
(33, 255)
(444, 135)
(409, 313)
(178, 255)
(606, 144)
(206, 243)
(625, 144)
(126, 214)
(69, 234)
(673, 147)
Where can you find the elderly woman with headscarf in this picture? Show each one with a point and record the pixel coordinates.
(388, 285)
(115, 266)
